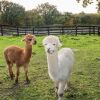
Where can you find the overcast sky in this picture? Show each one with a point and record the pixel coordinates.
(62, 5)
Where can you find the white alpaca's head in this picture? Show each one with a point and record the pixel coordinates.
(51, 44)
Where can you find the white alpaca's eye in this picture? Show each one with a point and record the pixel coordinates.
(54, 44)
(45, 44)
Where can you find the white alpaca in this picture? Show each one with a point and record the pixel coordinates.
(59, 63)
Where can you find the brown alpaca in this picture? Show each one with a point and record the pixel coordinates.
(19, 57)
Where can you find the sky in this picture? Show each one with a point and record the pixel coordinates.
(62, 5)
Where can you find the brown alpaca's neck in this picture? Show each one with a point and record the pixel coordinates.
(28, 52)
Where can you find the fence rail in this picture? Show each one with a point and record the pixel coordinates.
(48, 30)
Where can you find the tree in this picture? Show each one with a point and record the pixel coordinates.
(11, 13)
(49, 12)
(87, 2)
(68, 18)
(33, 18)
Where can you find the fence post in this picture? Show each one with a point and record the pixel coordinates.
(25, 30)
(89, 30)
(1, 30)
(17, 31)
(94, 30)
(76, 30)
(48, 31)
(98, 30)
(62, 30)
(33, 30)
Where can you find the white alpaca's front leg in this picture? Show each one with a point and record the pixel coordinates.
(56, 89)
(61, 89)
(67, 85)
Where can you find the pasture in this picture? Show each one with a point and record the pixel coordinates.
(85, 77)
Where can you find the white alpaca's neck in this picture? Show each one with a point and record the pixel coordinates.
(52, 62)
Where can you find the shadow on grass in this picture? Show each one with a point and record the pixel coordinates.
(12, 91)
(74, 93)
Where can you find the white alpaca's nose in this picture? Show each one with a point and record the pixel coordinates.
(49, 48)
(50, 51)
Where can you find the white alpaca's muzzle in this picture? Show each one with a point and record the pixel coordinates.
(50, 48)
(50, 51)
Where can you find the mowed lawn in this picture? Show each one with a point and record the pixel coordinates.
(85, 77)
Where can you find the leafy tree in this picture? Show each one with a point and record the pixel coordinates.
(11, 13)
(34, 18)
(49, 12)
(68, 18)
(44, 14)
(87, 2)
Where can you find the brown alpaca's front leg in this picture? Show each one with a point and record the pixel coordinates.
(17, 75)
(10, 71)
(26, 74)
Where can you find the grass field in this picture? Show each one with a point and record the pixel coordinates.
(85, 78)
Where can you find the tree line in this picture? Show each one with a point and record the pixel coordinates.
(44, 14)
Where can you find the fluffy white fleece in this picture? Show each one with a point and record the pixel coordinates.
(59, 63)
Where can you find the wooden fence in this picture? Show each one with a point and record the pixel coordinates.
(49, 30)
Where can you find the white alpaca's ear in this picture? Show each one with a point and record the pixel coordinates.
(59, 43)
(43, 43)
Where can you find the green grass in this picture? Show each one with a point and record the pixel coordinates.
(85, 78)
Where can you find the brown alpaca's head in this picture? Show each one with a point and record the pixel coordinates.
(29, 39)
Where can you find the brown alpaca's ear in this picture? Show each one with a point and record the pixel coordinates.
(23, 39)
